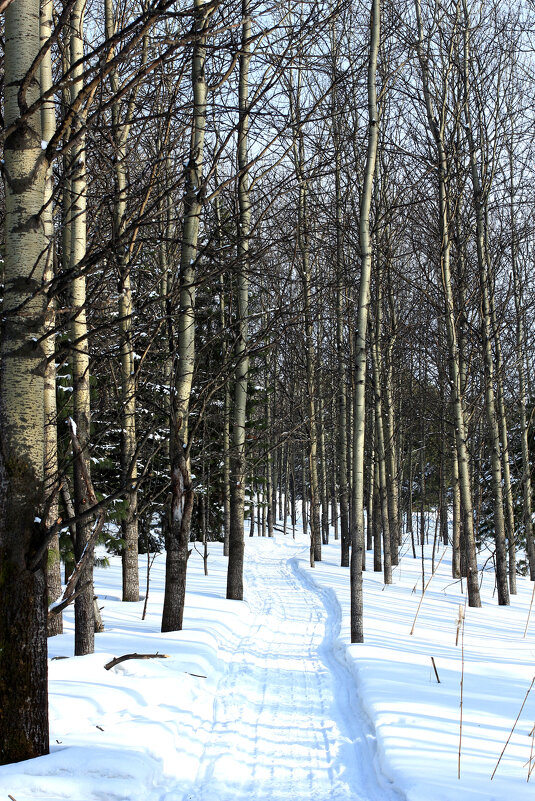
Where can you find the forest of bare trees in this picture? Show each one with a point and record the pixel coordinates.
(260, 261)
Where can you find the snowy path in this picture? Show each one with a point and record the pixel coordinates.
(263, 700)
(284, 725)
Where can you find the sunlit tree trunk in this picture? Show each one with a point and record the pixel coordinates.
(48, 119)
(437, 130)
(376, 521)
(237, 473)
(527, 516)
(504, 442)
(121, 126)
(486, 326)
(342, 426)
(226, 421)
(390, 440)
(370, 511)
(303, 243)
(323, 470)
(359, 421)
(23, 602)
(456, 533)
(268, 493)
(84, 623)
(181, 505)
(380, 437)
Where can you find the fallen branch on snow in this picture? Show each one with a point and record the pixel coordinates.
(123, 658)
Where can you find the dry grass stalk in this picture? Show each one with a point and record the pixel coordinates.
(459, 623)
(462, 687)
(530, 763)
(425, 590)
(529, 613)
(514, 727)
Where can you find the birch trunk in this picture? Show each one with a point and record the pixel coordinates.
(504, 442)
(238, 466)
(380, 439)
(23, 603)
(227, 398)
(342, 427)
(268, 498)
(456, 534)
(486, 331)
(323, 473)
(377, 526)
(84, 623)
(390, 443)
(129, 523)
(181, 506)
(437, 131)
(48, 121)
(370, 511)
(410, 526)
(226, 445)
(359, 422)
(527, 517)
(310, 358)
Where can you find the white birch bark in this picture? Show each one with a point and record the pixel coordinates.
(180, 444)
(83, 605)
(486, 325)
(121, 126)
(23, 602)
(437, 130)
(238, 465)
(359, 421)
(48, 125)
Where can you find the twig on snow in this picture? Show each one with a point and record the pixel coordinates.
(514, 727)
(123, 658)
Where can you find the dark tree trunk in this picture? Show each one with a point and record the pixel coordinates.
(177, 542)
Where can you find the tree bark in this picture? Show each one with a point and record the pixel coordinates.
(181, 505)
(238, 464)
(303, 244)
(390, 440)
(48, 120)
(359, 422)
(84, 624)
(129, 523)
(486, 326)
(437, 131)
(527, 516)
(23, 602)
(380, 438)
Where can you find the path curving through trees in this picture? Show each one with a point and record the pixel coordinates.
(287, 719)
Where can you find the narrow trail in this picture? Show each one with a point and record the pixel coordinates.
(286, 719)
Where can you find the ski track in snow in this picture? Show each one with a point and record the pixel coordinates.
(287, 722)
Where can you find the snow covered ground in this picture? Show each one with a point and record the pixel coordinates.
(265, 700)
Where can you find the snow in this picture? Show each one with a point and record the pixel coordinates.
(264, 699)
(415, 719)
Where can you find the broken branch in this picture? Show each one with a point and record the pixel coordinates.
(124, 658)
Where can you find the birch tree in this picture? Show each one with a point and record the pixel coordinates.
(121, 127)
(48, 118)
(77, 223)
(181, 503)
(238, 467)
(359, 422)
(437, 123)
(23, 602)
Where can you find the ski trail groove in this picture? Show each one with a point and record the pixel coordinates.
(286, 722)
